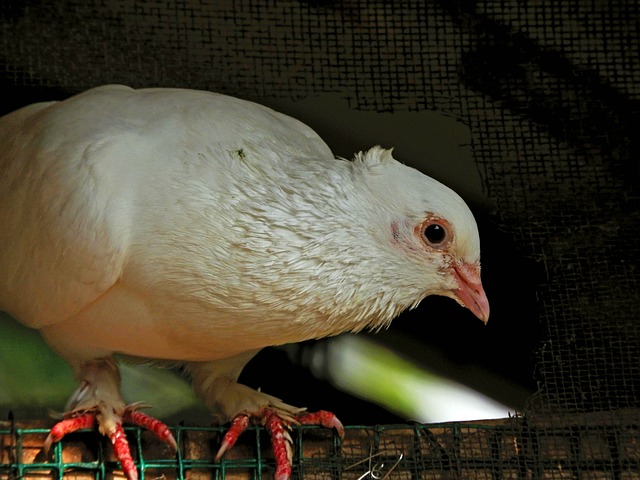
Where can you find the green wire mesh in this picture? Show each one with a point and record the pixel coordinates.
(514, 448)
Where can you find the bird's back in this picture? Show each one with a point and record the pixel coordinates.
(80, 180)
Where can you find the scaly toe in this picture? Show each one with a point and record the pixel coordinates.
(68, 425)
(238, 425)
(123, 452)
(322, 418)
(155, 426)
(280, 442)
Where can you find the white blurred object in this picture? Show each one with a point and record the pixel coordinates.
(369, 370)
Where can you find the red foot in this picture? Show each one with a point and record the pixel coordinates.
(117, 437)
(123, 452)
(278, 428)
(280, 443)
(155, 426)
(238, 425)
(69, 425)
(322, 418)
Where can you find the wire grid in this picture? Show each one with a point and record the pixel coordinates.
(511, 448)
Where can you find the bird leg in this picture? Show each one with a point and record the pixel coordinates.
(97, 402)
(278, 423)
(216, 383)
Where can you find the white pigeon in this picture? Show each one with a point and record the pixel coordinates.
(197, 228)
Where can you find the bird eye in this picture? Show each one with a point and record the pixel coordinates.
(435, 234)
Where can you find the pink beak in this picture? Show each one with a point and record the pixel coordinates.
(470, 293)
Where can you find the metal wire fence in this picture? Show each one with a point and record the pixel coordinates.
(585, 447)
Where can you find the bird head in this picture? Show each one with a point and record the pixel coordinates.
(347, 245)
(429, 233)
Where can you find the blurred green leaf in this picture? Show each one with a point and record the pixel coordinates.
(367, 369)
(32, 377)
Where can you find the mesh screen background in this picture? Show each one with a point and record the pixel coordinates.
(549, 90)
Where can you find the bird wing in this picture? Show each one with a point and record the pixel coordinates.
(59, 236)
(87, 182)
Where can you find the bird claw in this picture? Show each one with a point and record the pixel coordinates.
(123, 452)
(69, 425)
(115, 433)
(153, 425)
(239, 424)
(322, 418)
(278, 425)
(280, 443)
